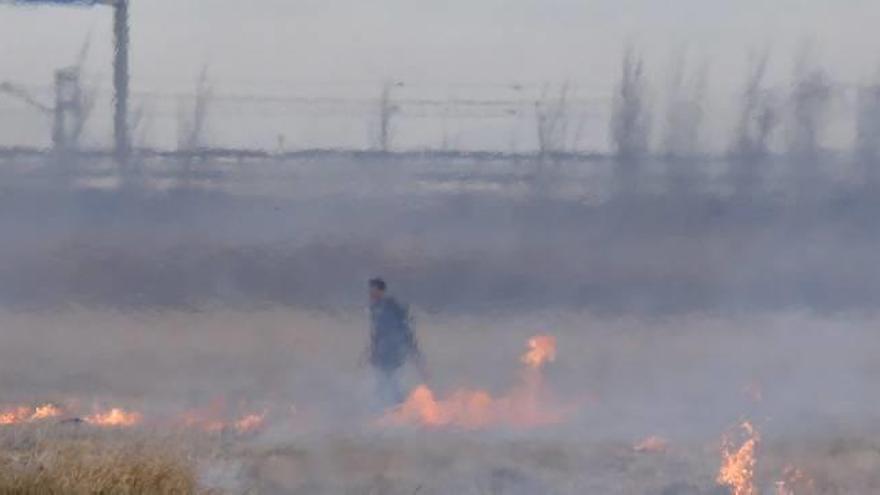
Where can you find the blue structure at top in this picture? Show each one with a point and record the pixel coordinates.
(62, 2)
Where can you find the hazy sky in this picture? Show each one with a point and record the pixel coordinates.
(273, 44)
(441, 49)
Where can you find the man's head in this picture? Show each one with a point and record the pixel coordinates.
(377, 289)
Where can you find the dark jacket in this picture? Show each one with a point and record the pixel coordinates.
(391, 337)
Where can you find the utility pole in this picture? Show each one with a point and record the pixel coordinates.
(121, 140)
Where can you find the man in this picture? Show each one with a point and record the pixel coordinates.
(392, 342)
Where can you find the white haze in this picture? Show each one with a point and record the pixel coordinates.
(439, 49)
(269, 43)
(244, 282)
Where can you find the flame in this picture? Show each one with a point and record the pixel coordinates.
(475, 409)
(115, 417)
(15, 416)
(795, 482)
(738, 464)
(26, 414)
(652, 445)
(118, 417)
(250, 422)
(542, 350)
(45, 411)
(210, 420)
(471, 409)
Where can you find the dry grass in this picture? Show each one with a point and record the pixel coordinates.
(35, 463)
(79, 461)
(684, 379)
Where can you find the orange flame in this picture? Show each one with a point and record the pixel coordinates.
(45, 411)
(118, 417)
(25, 414)
(542, 350)
(15, 416)
(465, 408)
(115, 417)
(250, 422)
(738, 464)
(209, 420)
(652, 445)
(795, 482)
(478, 409)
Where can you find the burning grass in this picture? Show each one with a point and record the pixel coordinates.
(443, 462)
(83, 458)
(114, 417)
(524, 406)
(738, 461)
(660, 397)
(207, 420)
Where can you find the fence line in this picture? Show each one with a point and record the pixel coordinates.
(506, 123)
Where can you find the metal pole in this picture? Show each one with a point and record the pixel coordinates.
(120, 82)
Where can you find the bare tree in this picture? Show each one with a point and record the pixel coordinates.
(76, 97)
(139, 126)
(685, 105)
(758, 120)
(759, 115)
(630, 120)
(552, 121)
(387, 110)
(809, 107)
(868, 133)
(192, 120)
(684, 108)
(810, 104)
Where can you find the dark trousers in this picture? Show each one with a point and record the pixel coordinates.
(388, 388)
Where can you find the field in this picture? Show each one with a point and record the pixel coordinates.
(453, 236)
(206, 337)
(652, 278)
(449, 462)
(803, 380)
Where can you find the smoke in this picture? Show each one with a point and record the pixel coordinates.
(795, 375)
(685, 289)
